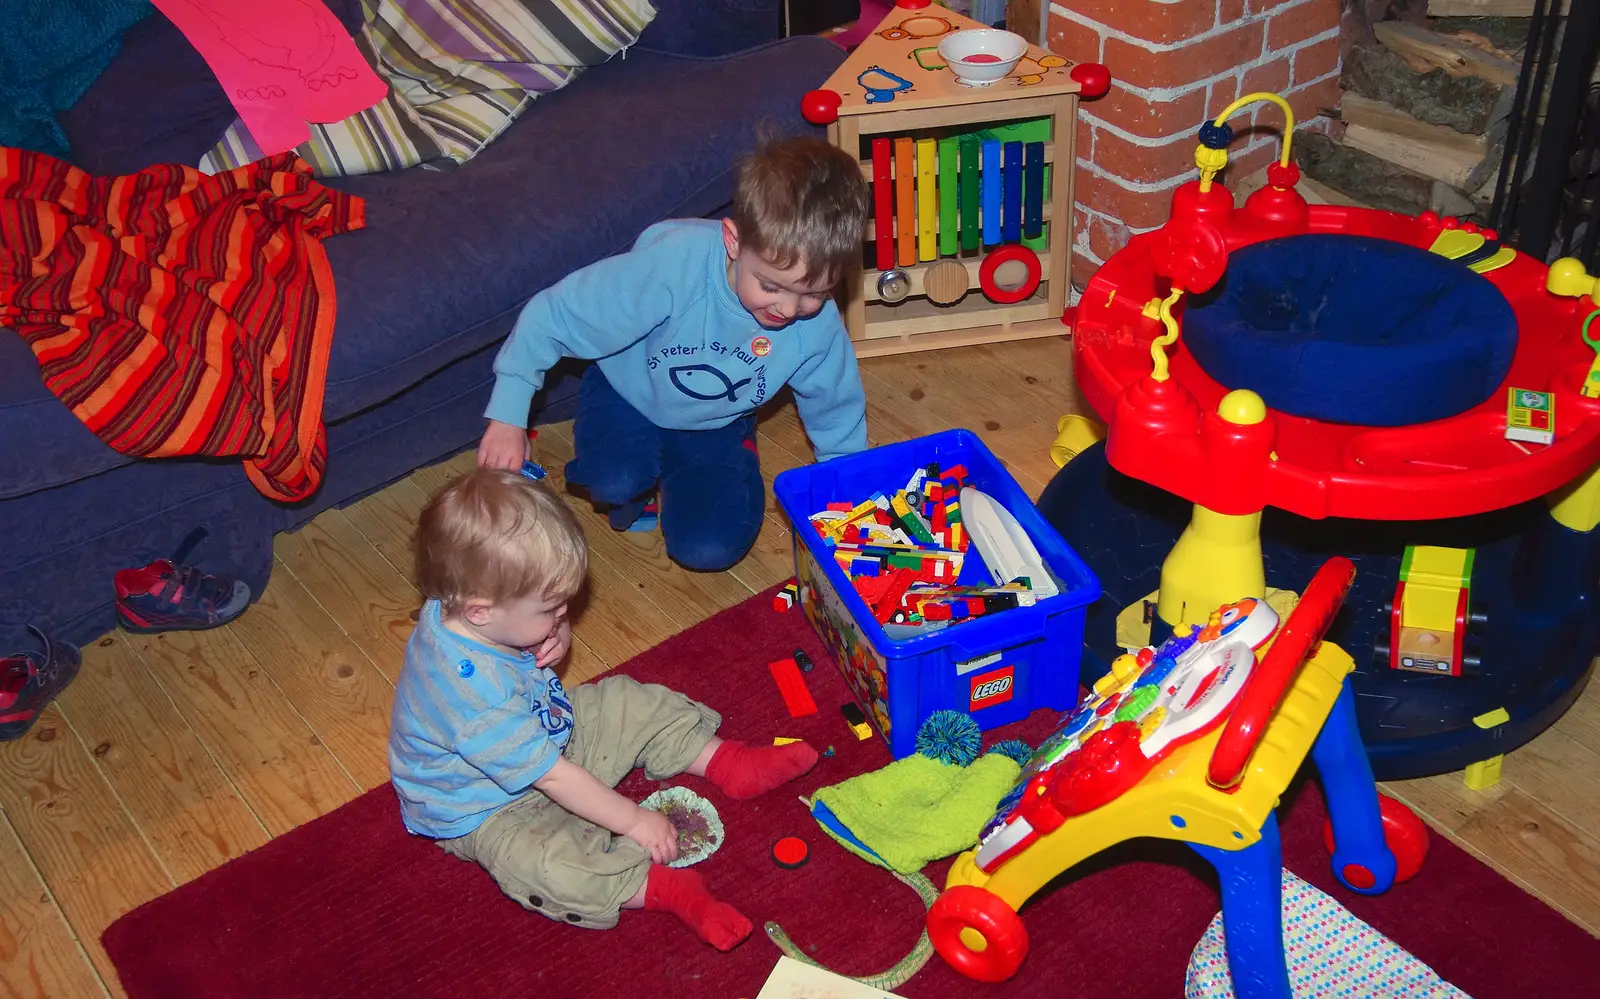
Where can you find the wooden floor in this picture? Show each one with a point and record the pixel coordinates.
(172, 754)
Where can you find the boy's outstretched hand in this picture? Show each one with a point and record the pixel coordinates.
(503, 446)
(655, 833)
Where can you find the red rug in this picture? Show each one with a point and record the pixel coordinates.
(351, 906)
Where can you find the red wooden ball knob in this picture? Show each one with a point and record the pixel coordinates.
(1284, 176)
(820, 107)
(1093, 78)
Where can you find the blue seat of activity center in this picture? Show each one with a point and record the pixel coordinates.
(1351, 329)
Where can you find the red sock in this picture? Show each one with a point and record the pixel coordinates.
(744, 771)
(683, 893)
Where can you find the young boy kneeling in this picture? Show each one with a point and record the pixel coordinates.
(694, 328)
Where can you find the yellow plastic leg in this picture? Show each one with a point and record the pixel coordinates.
(1484, 774)
(1074, 433)
(1215, 562)
(1577, 504)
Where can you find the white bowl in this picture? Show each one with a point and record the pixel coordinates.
(980, 56)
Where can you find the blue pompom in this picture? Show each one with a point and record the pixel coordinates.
(950, 737)
(1014, 748)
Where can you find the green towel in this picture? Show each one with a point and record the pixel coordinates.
(916, 810)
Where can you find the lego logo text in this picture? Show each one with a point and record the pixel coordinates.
(991, 688)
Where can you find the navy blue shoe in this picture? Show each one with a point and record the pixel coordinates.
(167, 595)
(30, 680)
(640, 515)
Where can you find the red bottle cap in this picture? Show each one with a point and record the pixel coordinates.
(790, 852)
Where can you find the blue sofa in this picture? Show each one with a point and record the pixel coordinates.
(425, 292)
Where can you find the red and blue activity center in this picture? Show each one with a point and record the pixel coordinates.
(1281, 382)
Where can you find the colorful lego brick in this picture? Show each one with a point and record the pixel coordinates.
(866, 565)
(857, 720)
(994, 602)
(787, 597)
(792, 686)
(872, 588)
(860, 511)
(889, 600)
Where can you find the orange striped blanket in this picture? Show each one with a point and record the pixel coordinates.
(180, 314)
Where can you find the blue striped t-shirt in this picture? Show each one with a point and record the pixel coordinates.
(471, 730)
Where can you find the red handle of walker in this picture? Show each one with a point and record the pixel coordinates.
(1296, 640)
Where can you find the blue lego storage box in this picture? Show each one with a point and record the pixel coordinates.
(997, 668)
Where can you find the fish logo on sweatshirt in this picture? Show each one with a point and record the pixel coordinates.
(706, 383)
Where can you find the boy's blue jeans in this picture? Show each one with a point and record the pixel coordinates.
(712, 496)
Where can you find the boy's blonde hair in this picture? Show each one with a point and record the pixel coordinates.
(495, 535)
(803, 201)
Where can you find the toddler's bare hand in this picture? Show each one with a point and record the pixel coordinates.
(555, 648)
(656, 834)
(503, 446)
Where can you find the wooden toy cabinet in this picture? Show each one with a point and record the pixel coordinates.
(972, 188)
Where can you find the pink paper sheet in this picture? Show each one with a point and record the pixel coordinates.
(281, 62)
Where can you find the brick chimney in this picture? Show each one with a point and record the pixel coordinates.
(1174, 63)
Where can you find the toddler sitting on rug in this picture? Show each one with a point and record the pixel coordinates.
(495, 760)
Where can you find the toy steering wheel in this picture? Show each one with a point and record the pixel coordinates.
(1296, 640)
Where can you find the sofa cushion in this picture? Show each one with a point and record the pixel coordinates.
(45, 445)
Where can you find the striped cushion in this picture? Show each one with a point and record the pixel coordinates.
(459, 73)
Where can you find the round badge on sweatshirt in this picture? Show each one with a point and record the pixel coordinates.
(465, 668)
(761, 346)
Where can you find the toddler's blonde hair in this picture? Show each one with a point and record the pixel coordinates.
(496, 535)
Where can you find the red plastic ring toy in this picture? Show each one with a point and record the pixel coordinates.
(1005, 255)
(1296, 640)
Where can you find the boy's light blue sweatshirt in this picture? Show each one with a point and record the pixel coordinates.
(673, 340)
